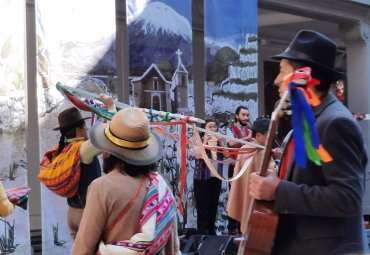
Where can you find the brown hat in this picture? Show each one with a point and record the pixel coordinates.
(69, 117)
(128, 137)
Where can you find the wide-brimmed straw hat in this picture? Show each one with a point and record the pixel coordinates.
(312, 48)
(69, 117)
(128, 137)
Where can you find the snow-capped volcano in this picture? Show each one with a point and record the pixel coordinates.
(158, 18)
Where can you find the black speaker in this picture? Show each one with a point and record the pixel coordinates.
(206, 245)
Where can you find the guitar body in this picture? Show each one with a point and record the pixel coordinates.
(262, 221)
(263, 224)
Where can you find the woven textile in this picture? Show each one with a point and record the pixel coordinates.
(61, 173)
(156, 221)
(18, 196)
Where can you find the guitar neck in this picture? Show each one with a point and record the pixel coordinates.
(275, 119)
(259, 234)
(269, 144)
(263, 172)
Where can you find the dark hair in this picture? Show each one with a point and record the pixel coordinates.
(237, 111)
(203, 125)
(260, 125)
(132, 170)
(254, 133)
(68, 133)
(326, 80)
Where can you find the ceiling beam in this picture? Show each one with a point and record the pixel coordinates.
(278, 18)
(345, 12)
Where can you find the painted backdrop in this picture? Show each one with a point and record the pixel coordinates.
(14, 230)
(231, 68)
(76, 46)
(160, 58)
(72, 38)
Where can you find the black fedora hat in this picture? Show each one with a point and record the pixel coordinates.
(69, 117)
(312, 48)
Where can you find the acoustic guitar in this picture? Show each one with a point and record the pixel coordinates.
(262, 224)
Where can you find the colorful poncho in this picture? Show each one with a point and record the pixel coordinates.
(61, 173)
(156, 221)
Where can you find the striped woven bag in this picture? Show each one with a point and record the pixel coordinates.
(61, 173)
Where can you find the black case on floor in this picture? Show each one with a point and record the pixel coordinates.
(207, 245)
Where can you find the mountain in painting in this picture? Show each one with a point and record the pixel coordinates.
(155, 34)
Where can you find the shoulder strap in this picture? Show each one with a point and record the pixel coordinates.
(109, 229)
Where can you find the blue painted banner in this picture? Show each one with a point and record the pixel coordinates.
(231, 68)
(160, 41)
(160, 58)
(231, 56)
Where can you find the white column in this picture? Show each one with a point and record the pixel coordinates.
(32, 124)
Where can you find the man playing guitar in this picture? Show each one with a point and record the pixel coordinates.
(319, 206)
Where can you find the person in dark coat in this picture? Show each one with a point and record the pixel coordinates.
(320, 207)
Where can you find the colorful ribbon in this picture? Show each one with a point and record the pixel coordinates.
(83, 105)
(307, 142)
(183, 142)
(248, 159)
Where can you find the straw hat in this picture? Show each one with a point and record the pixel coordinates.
(128, 137)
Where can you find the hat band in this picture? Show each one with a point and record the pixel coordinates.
(124, 143)
(304, 57)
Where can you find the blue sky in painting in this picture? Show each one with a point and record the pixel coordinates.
(225, 18)
(222, 17)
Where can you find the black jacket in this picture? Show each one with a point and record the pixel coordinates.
(320, 207)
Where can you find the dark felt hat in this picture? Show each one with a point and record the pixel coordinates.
(312, 48)
(69, 117)
(261, 125)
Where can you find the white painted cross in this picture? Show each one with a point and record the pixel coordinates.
(179, 53)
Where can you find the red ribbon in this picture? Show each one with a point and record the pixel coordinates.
(183, 141)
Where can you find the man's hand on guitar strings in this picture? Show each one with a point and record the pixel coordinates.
(263, 188)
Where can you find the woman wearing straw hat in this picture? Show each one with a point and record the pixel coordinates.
(130, 210)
